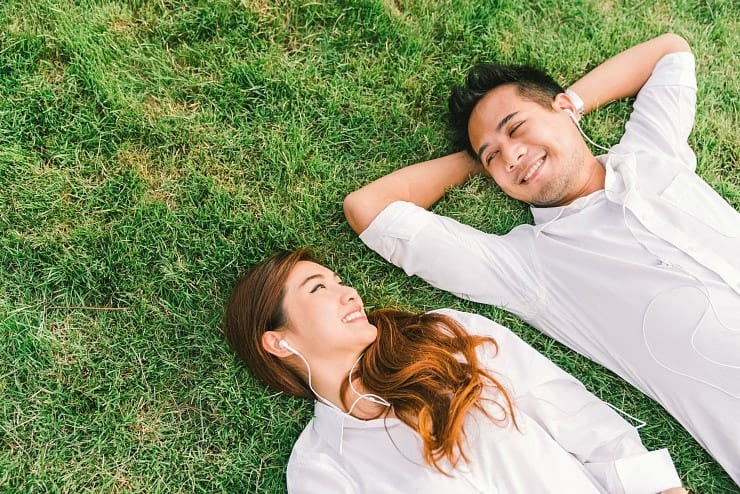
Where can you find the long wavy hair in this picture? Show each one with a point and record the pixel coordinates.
(425, 365)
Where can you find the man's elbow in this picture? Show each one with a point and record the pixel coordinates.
(355, 212)
(675, 43)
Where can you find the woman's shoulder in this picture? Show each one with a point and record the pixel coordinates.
(317, 473)
(311, 459)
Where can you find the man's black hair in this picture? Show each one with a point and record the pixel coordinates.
(532, 84)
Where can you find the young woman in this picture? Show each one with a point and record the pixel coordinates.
(442, 402)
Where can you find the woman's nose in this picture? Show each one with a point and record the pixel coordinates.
(349, 294)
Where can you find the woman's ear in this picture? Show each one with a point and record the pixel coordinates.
(271, 343)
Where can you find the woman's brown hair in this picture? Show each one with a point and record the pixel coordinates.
(256, 306)
(425, 365)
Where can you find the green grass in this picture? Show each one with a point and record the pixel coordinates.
(150, 151)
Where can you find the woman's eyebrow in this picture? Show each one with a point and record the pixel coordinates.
(309, 278)
(317, 275)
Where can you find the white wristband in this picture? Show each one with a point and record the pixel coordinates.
(577, 101)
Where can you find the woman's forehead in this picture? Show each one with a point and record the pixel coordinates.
(305, 271)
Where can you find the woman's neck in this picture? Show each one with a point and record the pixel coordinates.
(330, 388)
(364, 409)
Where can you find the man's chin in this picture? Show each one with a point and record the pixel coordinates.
(550, 197)
(548, 204)
(548, 201)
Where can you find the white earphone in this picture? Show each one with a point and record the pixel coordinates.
(572, 117)
(368, 396)
(578, 125)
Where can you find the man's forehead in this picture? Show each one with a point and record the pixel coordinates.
(502, 97)
(495, 109)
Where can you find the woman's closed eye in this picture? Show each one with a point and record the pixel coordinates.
(317, 287)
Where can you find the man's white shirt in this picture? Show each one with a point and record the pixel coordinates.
(642, 277)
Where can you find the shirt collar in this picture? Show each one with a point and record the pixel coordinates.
(330, 424)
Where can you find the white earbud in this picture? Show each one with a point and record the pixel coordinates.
(286, 345)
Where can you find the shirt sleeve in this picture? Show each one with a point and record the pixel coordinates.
(317, 473)
(663, 112)
(608, 447)
(486, 268)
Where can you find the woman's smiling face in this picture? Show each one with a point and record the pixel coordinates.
(324, 318)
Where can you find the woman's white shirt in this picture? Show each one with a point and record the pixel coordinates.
(567, 440)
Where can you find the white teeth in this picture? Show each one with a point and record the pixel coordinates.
(532, 170)
(354, 315)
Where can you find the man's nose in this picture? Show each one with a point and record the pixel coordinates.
(512, 155)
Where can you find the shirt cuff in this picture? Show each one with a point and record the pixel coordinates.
(399, 220)
(647, 473)
(674, 69)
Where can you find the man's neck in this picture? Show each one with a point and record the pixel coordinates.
(596, 175)
(593, 179)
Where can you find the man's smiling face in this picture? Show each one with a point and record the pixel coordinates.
(535, 154)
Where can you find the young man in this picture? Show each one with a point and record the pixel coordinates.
(632, 260)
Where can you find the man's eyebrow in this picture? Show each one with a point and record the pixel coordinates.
(500, 125)
(314, 276)
(505, 120)
(480, 152)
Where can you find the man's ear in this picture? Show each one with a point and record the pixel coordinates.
(562, 102)
(271, 343)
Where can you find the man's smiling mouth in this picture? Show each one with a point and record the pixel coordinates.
(533, 168)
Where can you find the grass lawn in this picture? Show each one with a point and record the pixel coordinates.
(151, 151)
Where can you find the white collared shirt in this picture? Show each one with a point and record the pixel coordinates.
(568, 440)
(641, 277)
